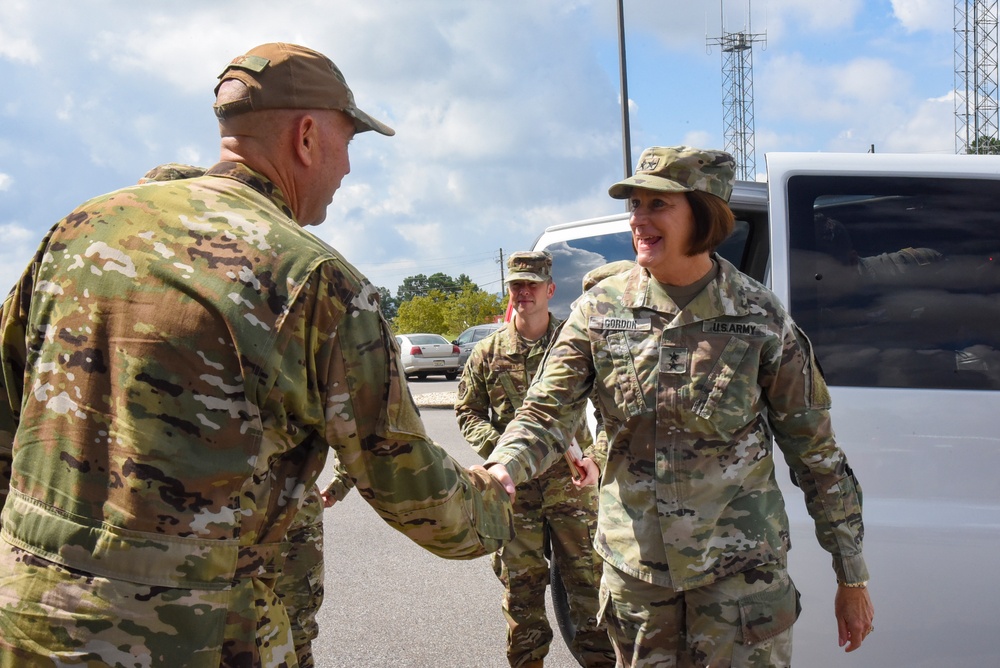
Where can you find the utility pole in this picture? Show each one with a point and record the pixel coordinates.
(623, 77)
(501, 272)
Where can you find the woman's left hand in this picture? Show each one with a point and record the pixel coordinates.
(855, 616)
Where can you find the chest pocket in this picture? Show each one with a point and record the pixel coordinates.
(722, 396)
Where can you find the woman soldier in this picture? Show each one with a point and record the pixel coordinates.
(696, 368)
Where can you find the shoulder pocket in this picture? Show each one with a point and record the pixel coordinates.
(400, 418)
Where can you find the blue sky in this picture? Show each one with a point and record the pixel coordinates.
(506, 111)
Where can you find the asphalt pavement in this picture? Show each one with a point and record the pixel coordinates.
(390, 603)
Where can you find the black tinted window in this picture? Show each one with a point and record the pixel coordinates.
(895, 280)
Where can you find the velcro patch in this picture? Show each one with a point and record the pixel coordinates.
(737, 328)
(620, 324)
(674, 360)
(250, 63)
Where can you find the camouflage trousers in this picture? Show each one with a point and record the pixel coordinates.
(551, 503)
(300, 586)
(742, 621)
(51, 617)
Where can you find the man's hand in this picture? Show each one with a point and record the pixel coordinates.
(855, 614)
(328, 499)
(499, 472)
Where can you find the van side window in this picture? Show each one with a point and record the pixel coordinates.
(895, 279)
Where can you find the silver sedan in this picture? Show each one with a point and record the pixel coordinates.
(426, 354)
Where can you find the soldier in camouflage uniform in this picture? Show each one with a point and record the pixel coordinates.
(494, 382)
(695, 367)
(177, 361)
(300, 585)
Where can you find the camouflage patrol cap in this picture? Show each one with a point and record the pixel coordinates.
(289, 76)
(534, 266)
(678, 169)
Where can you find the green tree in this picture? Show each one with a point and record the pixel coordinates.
(423, 314)
(470, 307)
(985, 145)
(421, 286)
(387, 304)
(464, 282)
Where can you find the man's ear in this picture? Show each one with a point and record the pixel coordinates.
(307, 139)
(552, 289)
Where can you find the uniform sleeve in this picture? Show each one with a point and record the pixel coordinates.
(472, 405)
(799, 403)
(340, 484)
(553, 408)
(374, 425)
(13, 356)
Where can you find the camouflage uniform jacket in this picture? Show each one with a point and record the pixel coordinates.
(690, 400)
(494, 383)
(175, 363)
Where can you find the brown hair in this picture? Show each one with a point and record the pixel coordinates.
(713, 221)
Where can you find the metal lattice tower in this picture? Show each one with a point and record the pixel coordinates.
(737, 91)
(977, 124)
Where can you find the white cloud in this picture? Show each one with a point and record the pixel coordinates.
(934, 15)
(868, 100)
(871, 82)
(698, 138)
(823, 16)
(14, 45)
(5, 181)
(15, 252)
(930, 129)
(506, 111)
(193, 155)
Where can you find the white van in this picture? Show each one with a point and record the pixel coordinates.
(890, 264)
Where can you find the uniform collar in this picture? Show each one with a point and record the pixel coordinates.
(255, 180)
(512, 342)
(724, 296)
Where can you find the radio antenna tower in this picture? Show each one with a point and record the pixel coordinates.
(737, 91)
(977, 129)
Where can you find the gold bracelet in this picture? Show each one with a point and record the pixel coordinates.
(854, 585)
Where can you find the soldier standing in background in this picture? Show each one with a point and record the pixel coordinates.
(176, 363)
(494, 382)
